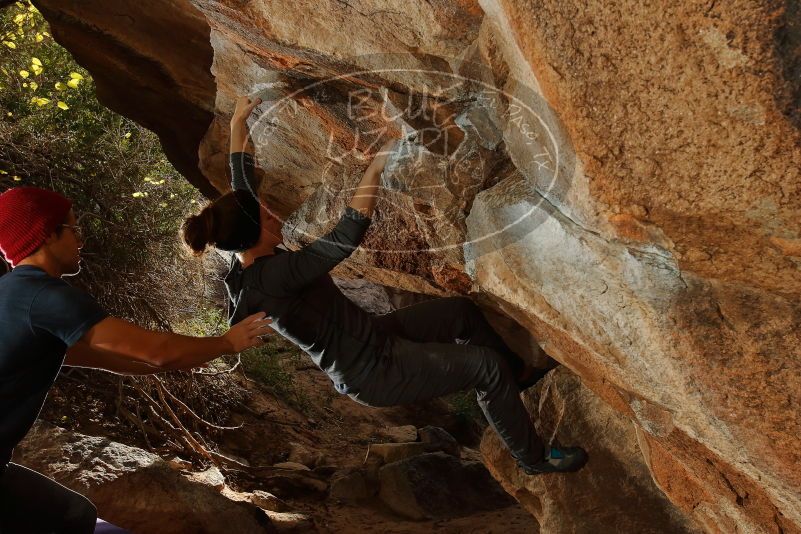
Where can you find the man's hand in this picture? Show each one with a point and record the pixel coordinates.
(245, 334)
(244, 107)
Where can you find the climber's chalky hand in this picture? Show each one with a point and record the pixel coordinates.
(380, 159)
(244, 107)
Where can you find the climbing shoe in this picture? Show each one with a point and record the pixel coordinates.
(558, 460)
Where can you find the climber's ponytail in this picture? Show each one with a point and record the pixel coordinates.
(197, 231)
(229, 223)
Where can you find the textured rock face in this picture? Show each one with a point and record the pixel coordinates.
(639, 214)
(613, 490)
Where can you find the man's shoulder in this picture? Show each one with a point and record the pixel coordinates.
(40, 290)
(26, 281)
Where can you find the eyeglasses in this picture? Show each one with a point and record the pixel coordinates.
(77, 230)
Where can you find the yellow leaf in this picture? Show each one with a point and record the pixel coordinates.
(24, 73)
(20, 5)
(73, 83)
(34, 86)
(76, 76)
(10, 114)
(17, 179)
(37, 70)
(3, 172)
(32, 9)
(60, 86)
(36, 61)
(19, 19)
(138, 194)
(41, 101)
(62, 105)
(39, 37)
(10, 44)
(127, 135)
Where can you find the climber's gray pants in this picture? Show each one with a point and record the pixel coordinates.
(446, 345)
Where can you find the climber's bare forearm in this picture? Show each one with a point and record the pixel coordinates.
(240, 137)
(239, 124)
(366, 194)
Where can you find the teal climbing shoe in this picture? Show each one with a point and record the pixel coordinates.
(559, 460)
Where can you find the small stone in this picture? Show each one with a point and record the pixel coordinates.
(290, 521)
(268, 501)
(292, 482)
(439, 440)
(301, 455)
(292, 465)
(401, 434)
(179, 464)
(392, 452)
(352, 486)
(210, 477)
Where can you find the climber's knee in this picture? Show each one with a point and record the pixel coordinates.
(495, 371)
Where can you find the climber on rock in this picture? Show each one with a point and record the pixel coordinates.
(406, 356)
(42, 318)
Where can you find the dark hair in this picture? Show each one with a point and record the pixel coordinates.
(232, 222)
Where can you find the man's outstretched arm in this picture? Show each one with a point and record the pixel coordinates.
(82, 355)
(120, 346)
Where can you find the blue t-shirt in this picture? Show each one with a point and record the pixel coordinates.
(40, 317)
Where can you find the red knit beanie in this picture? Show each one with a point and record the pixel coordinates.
(28, 215)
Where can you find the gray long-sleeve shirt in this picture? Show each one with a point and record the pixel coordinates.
(297, 293)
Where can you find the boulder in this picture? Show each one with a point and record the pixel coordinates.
(133, 488)
(620, 180)
(437, 485)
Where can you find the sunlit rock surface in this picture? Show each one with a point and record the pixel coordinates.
(620, 179)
